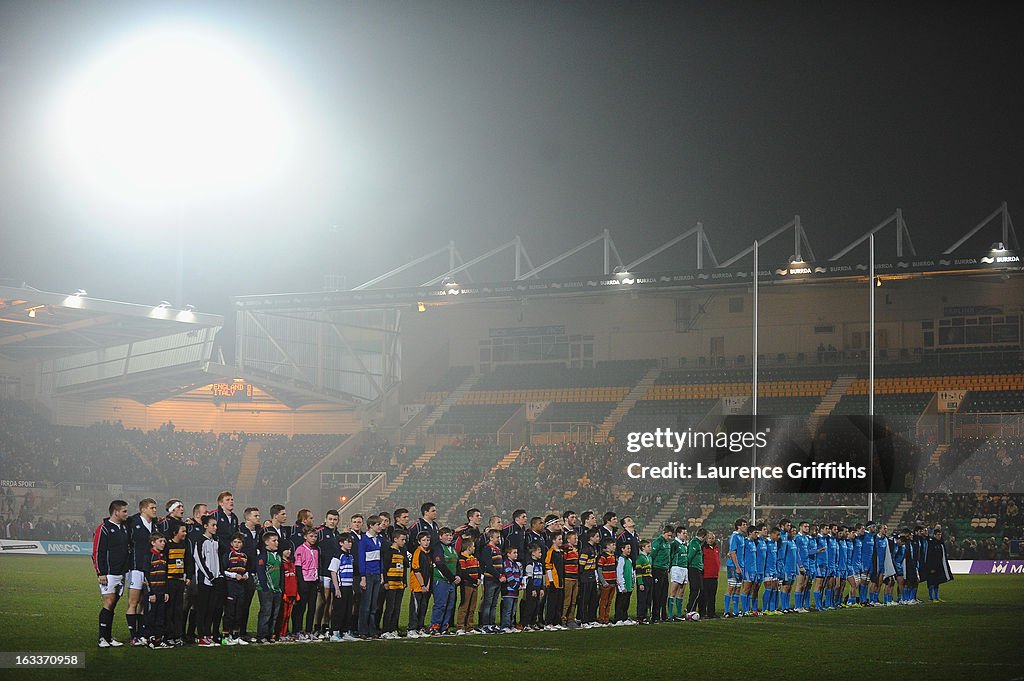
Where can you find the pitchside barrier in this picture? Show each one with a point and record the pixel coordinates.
(45, 547)
(987, 567)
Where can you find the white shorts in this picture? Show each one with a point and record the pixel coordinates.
(113, 586)
(326, 582)
(136, 579)
(679, 575)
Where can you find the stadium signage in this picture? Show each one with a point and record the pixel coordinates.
(950, 400)
(971, 310)
(67, 548)
(50, 548)
(806, 272)
(997, 567)
(19, 483)
(16, 546)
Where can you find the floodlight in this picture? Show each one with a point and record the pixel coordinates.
(168, 113)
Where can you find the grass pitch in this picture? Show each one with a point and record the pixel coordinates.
(50, 603)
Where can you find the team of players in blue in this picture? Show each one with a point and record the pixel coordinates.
(812, 566)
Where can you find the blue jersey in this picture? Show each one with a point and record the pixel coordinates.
(832, 553)
(749, 560)
(762, 556)
(780, 556)
(898, 557)
(815, 560)
(736, 543)
(857, 547)
(789, 558)
(771, 558)
(801, 543)
(867, 559)
(881, 545)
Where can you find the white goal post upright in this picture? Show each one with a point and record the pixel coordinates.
(872, 282)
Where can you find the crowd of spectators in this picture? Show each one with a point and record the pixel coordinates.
(189, 458)
(32, 449)
(957, 511)
(283, 459)
(375, 453)
(25, 526)
(994, 465)
(581, 476)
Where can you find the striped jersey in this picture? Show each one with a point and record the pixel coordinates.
(469, 570)
(343, 566)
(513, 578)
(572, 561)
(156, 576)
(234, 564)
(395, 571)
(606, 566)
(175, 554)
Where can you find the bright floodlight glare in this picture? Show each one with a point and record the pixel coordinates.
(172, 112)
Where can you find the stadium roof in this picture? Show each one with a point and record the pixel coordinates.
(796, 272)
(965, 256)
(39, 325)
(91, 348)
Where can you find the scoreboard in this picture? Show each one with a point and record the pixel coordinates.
(231, 392)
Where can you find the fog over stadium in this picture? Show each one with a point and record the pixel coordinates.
(400, 127)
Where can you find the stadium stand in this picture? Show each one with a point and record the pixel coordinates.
(452, 471)
(283, 458)
(994, 402)
(475, 418)
(575, 412)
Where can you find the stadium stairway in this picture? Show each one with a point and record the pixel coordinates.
(666, 512)
(504, 463)
(628, 402)
(440, 410)
(250, 468)
(420, 462)
(937, 455)
(897, 513)
(829, 401)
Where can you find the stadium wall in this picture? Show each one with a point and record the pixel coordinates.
(793, 319)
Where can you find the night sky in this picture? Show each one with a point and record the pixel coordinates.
(420, 122)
